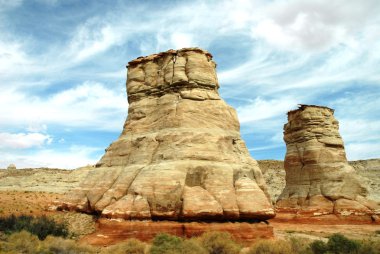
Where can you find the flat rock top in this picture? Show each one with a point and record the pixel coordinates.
(302, 107)
(152, 57)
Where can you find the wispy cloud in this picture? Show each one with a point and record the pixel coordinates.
(89, 105)
(70, 158)
(67, 69)
(23, 140)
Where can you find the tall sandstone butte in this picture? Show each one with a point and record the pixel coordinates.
(180, 155)
(319, 180)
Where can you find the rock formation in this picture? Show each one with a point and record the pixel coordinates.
(319, 180)
(180, 155)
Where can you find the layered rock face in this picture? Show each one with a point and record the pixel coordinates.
(319, 180)
(180, 155)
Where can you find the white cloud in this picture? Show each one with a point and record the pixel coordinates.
(12, 58)
(295, 52)
(93, 38)
(261, 109)
(360, 130)
(360, 151)
(314, 25)
(23, 140)
(36, 127)
(181, 40)
(89, 105)
(73, 157)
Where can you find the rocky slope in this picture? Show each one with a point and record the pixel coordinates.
(319, 180)
(42, 179)
(180, 155)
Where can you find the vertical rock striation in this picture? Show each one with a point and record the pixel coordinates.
(180, 155)
(319, 180)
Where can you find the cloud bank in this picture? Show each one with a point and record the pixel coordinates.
(62, 69)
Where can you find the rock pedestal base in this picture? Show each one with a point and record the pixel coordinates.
(113, 231)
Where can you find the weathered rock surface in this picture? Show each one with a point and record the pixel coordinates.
(319, 180)
(180, 155)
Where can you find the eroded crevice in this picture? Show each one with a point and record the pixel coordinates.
(174, 59)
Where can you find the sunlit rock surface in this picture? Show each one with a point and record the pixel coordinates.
(180, 155)
(319, 180)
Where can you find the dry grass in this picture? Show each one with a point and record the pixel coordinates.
(131, 246)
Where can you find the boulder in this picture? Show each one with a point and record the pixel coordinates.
(180, 155)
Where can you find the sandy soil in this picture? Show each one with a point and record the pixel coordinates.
(39, 203)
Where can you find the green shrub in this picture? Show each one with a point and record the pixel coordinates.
(132, 246)
(166, 244)
(318, 247)
(40, 226)
(338, 243)
(271, 247)
(219, 243)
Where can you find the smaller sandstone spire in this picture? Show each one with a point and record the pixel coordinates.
(319, 180)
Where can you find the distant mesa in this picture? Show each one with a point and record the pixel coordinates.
(180, 155)
(11, 167)
(319, 180)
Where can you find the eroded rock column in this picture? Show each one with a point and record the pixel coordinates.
(180, 155)
(319, 180)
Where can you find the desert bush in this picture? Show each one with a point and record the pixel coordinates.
(219, 243)
(132, 246)
(300, 245)
(21, 242)
(25, 242)
(192, 246)
(271, 247)
(57, 245)
(369, 246)
(166, 244)
(40, 226)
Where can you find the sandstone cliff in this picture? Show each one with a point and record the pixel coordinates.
(319, 179)
(180, 155)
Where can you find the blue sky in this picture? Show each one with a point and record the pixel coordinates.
(62, 69)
